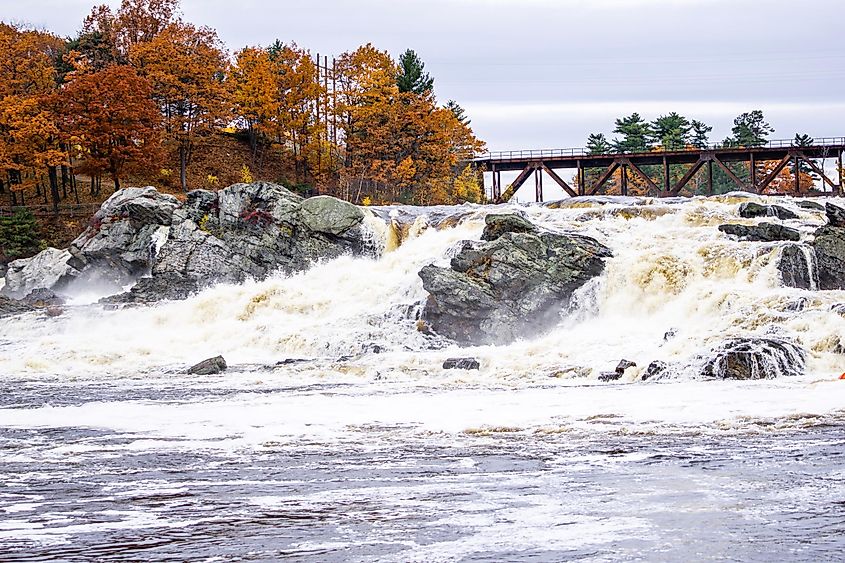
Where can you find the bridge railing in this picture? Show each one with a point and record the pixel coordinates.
(540, 154)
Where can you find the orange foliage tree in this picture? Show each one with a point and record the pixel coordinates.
(186, 66)
(111, 121)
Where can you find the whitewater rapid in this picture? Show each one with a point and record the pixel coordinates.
(97, 385)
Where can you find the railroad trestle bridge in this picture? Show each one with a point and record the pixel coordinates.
(537, 162)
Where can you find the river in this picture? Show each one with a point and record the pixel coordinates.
(336, 435)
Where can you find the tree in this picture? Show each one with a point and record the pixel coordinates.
(186, 66)
(597, 143)
(699, 138)
(458, 112)
(635, 132)
(19, 235)
(111, 119)
(750, 130)
(140, 21)
(255, 94)
(412, 76)
(671, 131)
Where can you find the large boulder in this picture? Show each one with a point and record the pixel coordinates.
(835, 215)
(10, 307)
(755, 358)
(510, 287)
(329, 215)
(764, 232)
(829, 247)
(796, 264)
(750, 210)
(49, 269)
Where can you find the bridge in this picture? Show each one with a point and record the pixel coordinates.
(538, 163)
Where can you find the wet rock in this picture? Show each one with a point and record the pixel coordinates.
(751, 210)
(41, 298)
(373, 349)
(810, 205)
(835, 215)
(838, 308)
(797, 305)
(49, 269)
(796, 266)
(211, 366)
(623, 365)
(498, 224)
(764, 232)
(515, 286)
(461, 363)
(755, 358)
(10, 307)
(54, 311)
(165, 287)
(607, 376)
(670, 334)
(829, 247)
(654, 369)
(293, 361)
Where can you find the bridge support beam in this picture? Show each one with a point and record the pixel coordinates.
(687, 177)
(517, 183)
(642, 175)
(560, 181)
(739, 183)
(604, 178)
(773, 174)
(752, 172)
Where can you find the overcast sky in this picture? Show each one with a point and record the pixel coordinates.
(544, 74)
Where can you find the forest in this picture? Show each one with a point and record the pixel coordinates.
(141, 95)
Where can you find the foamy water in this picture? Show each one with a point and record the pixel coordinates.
(110, 451)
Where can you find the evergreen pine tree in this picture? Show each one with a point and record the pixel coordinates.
(635, 132)
(19, 236)
(412, 76)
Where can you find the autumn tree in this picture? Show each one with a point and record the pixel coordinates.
(111, 120)
(140, 21)
(255, 93)
(186, 66)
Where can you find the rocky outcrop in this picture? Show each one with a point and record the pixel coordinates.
(513, 286)
(751, 210)
(796, 266)
(755, 358)
(49, 269)
(810, 205)
(10, 307)
(764, 232)
(172, 249)
(461, 363)
(829, 249)
(495, 225)
(211, 366)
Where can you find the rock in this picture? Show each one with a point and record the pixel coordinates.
(10, 307)
(41, 298)
(829, 247)
(515, 286)
(609, 376)
(797, 305)
(461, 363)
(623, 365)
(329, 215)
(796, 267)
(167, 287)
(755, 358)
(170, 250)
(498, 224)
(654, 369)
(293, 361)
(372, 349)
(835, 215)
(670, 334)
(54, 311)
(49, 269)
(810, 205)
(750, 210)
(765, 232)
(211, 366)
(122, 238)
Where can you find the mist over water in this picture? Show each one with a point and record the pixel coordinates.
(367, 449)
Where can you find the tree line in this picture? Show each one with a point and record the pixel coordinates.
(673, 131)
(138, 88)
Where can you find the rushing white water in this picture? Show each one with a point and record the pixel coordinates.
(121, 372)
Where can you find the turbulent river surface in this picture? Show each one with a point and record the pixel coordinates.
(361, 447)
